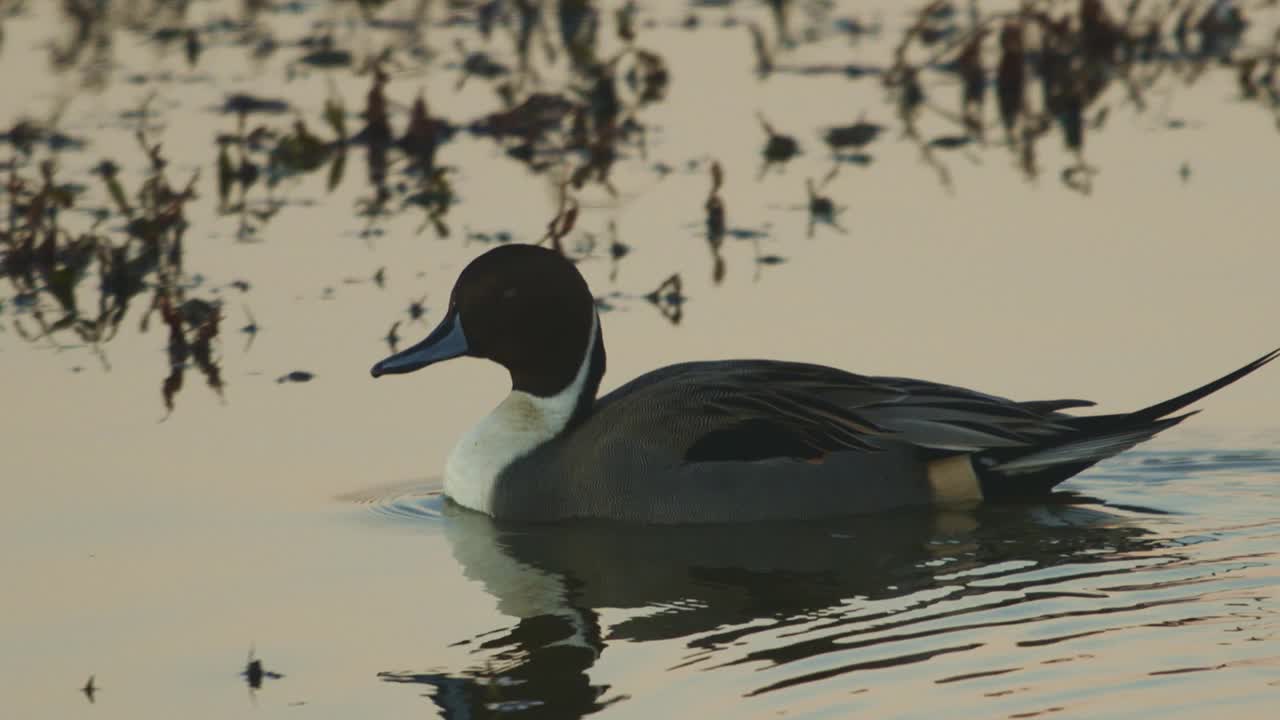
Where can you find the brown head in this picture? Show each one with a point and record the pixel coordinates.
(524, 307)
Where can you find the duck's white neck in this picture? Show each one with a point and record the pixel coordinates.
(519, 424)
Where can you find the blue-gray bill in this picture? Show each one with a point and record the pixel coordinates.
(445, 342)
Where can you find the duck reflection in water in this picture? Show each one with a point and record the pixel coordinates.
(873, 580)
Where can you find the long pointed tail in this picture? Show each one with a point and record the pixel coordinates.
(1173, 405)
(1034, 470)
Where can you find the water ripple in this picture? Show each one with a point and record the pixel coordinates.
(413, 501)
(1002, 612)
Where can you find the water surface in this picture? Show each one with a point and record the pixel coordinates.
(155, 549)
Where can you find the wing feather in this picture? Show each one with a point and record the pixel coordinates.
(828, 409)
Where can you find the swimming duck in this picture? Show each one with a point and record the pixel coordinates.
(733, 440)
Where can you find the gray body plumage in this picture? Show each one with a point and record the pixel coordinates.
(588, 476)
(874, 438)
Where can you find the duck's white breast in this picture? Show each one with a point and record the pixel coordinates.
(519, 424)
(510, 432)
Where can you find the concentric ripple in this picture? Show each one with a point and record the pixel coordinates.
(412, 501)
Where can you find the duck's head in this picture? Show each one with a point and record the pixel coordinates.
(524, 307)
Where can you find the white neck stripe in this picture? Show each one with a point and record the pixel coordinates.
(519, 424)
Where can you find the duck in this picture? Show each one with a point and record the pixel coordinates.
(731, 441)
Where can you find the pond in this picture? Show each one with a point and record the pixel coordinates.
(218, 215)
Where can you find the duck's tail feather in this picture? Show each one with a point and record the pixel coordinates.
(1173, 405)
(1007, 473)
(1086, 448)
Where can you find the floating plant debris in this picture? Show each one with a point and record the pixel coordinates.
(778, 148)
(617, 251)
(392, 338)
(715, 222)
(193, 326)
(822, 210)
(562, 224)
(296, 376)
(242, 104)
(852, 137)
(250, 329)
(254, 672)
(951, 142)
(327, 58)
(90, 690)
(417, 308)
(669, 299)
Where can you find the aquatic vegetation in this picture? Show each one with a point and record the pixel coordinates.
(822, 209)
(778, 148)
(392, 338)
(669, 298)
(855, 137)
(572, 91)
(47, 263)
(254, 672)
(562, 223)
(90, 690)
(715, 222)
(1074, 57)
(250, 329)
(417, 309)
(296, 376)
